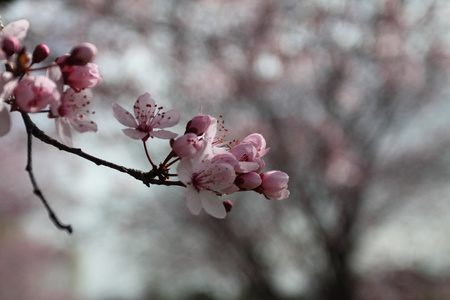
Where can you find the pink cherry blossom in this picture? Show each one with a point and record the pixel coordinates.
(187, 145)
(149, 117)
(246, 154)
(34, 93)
(205, 181)
(259, 142)
(73, 111)
(274, 185)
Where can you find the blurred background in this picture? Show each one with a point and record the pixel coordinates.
(352, 97)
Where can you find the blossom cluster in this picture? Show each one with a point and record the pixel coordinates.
(208, 166)
(63, 92)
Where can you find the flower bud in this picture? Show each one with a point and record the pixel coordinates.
(248, 181)
(228, 205)
(82, 54)
(198, 124)
(186, 145)
(274, 185)
(40, 53)
(10, 45)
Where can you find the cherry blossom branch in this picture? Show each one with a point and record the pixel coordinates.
(147, 178)
(29, 168)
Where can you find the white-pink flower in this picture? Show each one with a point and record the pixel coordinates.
(259, 142)
(34, 93)
(274, 185)
(205, 180)
(74, 111)
(148, 121)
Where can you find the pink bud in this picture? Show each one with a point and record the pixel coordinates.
(274, 185)
(10, 45)
(198, 124)
(228, 205)
(248, 181)
(82, 54)
(186, 145)
(40, 53)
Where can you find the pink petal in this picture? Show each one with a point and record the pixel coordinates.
(212, 204)
(222, 176)
(163, 134)
(17, 29)
(63, 131)
(193, 203)
(144, 107)
(83, 124)
(55, 74)
(185, 171)
(171, 118)
(123, 116)
(134, 134)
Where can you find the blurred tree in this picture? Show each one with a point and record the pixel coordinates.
(347, 92)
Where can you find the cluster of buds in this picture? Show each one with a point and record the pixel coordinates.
(63, 92)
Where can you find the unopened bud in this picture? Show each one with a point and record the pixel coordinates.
(198, 124)
(10, 45)
(82, 54)
(228, 205)
(40, 53)
(248, 181)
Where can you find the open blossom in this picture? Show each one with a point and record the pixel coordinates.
(205, 180)
(79, 76)
(148, 121)
(274, 185)
(73, 111)
(34, 93)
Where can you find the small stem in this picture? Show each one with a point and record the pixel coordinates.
(148, 156)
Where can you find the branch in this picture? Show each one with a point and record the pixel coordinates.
(147, 178)
(152, 177)
(37, 191)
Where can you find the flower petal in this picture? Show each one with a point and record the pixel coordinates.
(163, 134)
(171, 118)
(185, 171)
(17, 29)
(193, 203)
(63, 131)
(144, 107)
(134, 134)
(123, 116)
(212, 204)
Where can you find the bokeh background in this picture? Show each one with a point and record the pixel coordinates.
(353, 99)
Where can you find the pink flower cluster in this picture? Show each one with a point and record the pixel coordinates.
(62, 93)
(210, 167)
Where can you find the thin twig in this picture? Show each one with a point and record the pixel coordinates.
(29, 168)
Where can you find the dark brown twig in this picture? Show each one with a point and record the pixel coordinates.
(29, 168)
